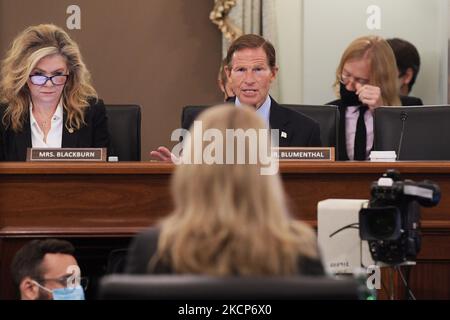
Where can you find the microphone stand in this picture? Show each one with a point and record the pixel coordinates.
(403, 117)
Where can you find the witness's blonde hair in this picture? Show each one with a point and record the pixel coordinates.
(383, 67)
(229, 219)
(28, 48)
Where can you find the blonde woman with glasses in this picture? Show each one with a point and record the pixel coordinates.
(366, 79)
(228, 218)
(47, 98)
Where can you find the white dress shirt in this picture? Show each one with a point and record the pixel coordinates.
(263, 111)
(54, 136)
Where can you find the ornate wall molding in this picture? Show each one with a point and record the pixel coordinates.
(220, 16)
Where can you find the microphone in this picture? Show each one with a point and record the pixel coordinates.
(403, 117)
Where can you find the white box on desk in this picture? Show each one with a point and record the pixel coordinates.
(345, 251)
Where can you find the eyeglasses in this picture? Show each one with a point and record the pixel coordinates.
(66, 281)
(345, 79)
(41, 80)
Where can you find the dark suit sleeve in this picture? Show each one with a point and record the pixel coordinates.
(2, 134)
(100, 131)
(2, 144)
(409, 101)
(142, 248)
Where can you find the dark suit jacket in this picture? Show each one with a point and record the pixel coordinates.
(299, 130)
(408, 101)
(13, 145)
(405, 100)
(145, 245)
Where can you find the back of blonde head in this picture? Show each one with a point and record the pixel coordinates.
(383, 67)
(230, 219)
(27, 49)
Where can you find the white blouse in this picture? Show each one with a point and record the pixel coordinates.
(54, 136)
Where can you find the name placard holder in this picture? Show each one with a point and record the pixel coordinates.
(67, 154)
(304, 154)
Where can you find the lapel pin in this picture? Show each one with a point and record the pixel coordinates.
(283, 134)
(70, 130)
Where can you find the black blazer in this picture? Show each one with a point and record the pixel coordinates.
(405, 100)
(295, 128)
(145, 245)
(13, 145)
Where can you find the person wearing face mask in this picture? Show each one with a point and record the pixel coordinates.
(366, 79)
(47, 270)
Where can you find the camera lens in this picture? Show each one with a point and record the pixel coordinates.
(382, 225)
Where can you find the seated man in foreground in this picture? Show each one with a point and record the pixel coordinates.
(46, 270)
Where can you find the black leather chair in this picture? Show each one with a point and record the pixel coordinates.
(189, 114)
(197, 287)
(124, 123)
(328, 119)
(117, 260)
(426, 132)
(326, 116)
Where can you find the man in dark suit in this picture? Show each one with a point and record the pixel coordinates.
(251, 69)
(295, 129)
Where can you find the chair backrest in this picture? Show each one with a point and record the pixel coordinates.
(326, 116)
(124, 123)
(198, 287)
(117, 260)
(426, 132)
(189, 114)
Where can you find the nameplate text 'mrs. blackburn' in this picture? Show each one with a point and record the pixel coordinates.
(67, 154)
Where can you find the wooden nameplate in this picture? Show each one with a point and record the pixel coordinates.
(67, 154)
(304, 154)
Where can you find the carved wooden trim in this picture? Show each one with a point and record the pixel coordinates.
(219, 16)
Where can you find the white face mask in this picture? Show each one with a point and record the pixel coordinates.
(68, 293)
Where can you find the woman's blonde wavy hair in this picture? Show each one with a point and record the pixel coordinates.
(228, 218)
(383, 66)
(28, 48)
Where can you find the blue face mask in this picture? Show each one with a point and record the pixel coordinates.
(73, 293)
(76, 293)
